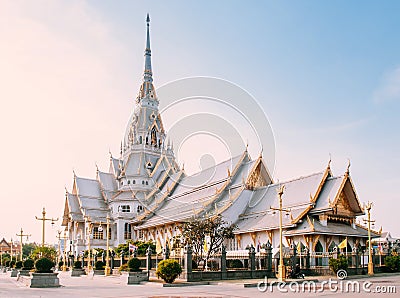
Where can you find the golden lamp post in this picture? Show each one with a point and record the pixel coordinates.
(89, 232)
(21, 234)
(107, 269)
(64, 266)
(368, 207)
(12, 250)
(281, 267)
(43, 219)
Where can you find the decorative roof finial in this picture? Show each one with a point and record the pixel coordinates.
(348, 167)
(147, 88)
(330, 160)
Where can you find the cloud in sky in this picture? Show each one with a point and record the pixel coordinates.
(389, 89)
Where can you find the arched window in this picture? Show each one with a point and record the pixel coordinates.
(127, 231)
(147, 182)
(332, 246)
(129, 181)
(154, 137)
(318, 254)
(134, 182)
(140, 140)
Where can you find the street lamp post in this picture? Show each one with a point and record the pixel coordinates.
(43, 219)
(89, 228)
(11, 249)
(107, 269)
(368, 207)
(281, 267)
(64, 266)
(59, 247)
(22, 235)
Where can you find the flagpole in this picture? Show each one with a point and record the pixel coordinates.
(299, 250)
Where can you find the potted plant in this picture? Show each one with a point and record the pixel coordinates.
(99, 268)
(135, 275)
(18, 265)
(44, 276)
(77, 269)
(28, 265)
(168, 270)
(14, 271)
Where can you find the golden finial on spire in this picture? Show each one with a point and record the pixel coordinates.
(348, 167)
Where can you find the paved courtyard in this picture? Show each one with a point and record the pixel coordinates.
(115, 286)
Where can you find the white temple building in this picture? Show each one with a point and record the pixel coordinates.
(147, 195)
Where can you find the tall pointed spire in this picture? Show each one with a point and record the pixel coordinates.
(148, 75)
(147, 88)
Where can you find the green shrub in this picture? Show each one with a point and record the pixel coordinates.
(12, 264)
(234, 264)
(99, 265)
(8, 263)
(18, 265)
(60, 264)
(78, 265)
(339, 263)
(44, 265)
(134, 265)
(28, 264)
(123, 267)
(168, 270)
(392, 263)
